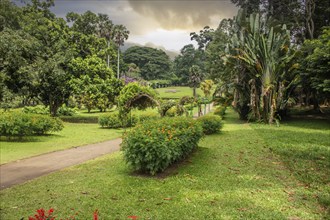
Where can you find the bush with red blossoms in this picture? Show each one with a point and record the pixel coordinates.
(43, 215)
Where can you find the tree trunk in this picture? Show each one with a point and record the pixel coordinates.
(310, 9)
(272, 110)
(194, 92)
(265, 106)
(316, 105)
(118, 64)
(108, 58)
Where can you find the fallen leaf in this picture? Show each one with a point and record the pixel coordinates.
(167, 199)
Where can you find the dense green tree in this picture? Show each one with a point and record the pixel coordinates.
(120, 34)
(314, 69)
(203, 38)
(153, 63)
(251, 6)
(92, 66)
(216, 50)
(10, 15)
(188, 57)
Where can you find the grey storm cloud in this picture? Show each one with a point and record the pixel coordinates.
(183, 14)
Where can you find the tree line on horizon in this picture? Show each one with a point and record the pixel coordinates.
(271, 55)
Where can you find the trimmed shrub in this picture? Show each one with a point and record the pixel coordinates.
(66, 111)
(43, 110)
(80, 119)
(22, 124)
(146, 116)
(210, 123)
(113, 120)
(38, 109)
(42, 124)
(110, 121)
(171, 112)
(154, 145)
(220, 111)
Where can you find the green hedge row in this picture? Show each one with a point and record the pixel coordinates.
(112, 120)
(23, 124)
(154, 145)
(80, 119)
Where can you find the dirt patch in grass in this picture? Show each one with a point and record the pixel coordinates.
(172, 91)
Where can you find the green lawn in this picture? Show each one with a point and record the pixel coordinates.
(71, 136)
(177, 92)
(246, 172)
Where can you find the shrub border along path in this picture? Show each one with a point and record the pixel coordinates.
(20, 171)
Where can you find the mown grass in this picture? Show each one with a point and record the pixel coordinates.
(72, 135)
(177, 92)
(236, 174)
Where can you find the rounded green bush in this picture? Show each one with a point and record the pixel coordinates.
(112, 120)
(210, 123)
(146, 116)
(220, 111)
(154, 145)
(23, 124)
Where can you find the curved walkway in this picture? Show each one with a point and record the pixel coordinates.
(27, 169)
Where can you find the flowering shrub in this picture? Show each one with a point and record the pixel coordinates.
(211, 123)
(154, 145)
(42, 215)
(22, 124)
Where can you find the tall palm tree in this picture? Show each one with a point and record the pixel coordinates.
(264, 51)
(120, 35)
(105, 30)
(195, 78)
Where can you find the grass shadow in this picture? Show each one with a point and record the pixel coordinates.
(25, 139)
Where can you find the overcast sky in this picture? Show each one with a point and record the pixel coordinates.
(159, 22)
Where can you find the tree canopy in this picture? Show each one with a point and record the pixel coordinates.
(153, 63)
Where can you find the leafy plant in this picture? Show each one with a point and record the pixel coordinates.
(220, 111)
(134, 95)
(22, 124)
(113, 120)
(146, 116)
(153, 146)
(210, 123)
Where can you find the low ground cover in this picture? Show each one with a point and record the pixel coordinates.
(236, 174)
(72, 135)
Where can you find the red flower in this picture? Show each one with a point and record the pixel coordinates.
(133, 217)
(96, 217)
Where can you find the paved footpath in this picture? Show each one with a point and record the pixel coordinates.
(20, 171)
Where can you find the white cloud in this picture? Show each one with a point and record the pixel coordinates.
(171, 40)
(165, 23)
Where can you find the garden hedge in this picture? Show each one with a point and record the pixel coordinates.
(23, 124)
(154, 145)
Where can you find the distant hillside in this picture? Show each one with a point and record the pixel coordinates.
(172, 54)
